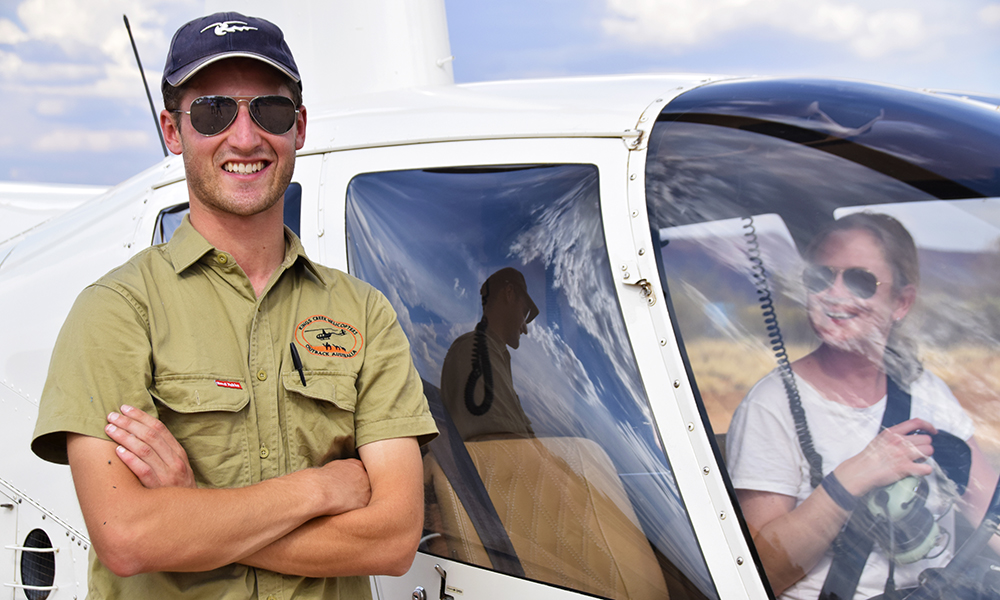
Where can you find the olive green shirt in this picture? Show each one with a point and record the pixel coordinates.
(179, 332)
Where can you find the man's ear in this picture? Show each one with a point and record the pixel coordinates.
(170, 124)
(510, 293)
(300, 128)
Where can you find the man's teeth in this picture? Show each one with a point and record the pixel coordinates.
(836, 315)
(244, 168)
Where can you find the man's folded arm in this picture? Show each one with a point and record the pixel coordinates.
(135, 529)
(378, 539)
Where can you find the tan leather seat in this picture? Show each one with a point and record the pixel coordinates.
(565, 510)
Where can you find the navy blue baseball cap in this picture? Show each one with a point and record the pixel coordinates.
(226, 35)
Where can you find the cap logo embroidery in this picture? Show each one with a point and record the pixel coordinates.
(225, 27)
(323, 336)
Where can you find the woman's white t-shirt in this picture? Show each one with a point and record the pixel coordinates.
(763, 454)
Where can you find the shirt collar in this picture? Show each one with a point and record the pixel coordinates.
(187, 246)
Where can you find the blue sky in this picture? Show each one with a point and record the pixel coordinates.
(76, 113)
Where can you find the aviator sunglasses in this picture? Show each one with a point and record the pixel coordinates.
(860, 282)
(211, 115)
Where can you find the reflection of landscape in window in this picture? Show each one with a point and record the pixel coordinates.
(956, 322)
(704, 176)
(717, 308)
(958, 319)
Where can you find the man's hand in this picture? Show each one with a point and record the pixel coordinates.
(157, 459)
(349, 485)
(149, 450)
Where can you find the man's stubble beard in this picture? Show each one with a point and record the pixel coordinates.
(208, 190)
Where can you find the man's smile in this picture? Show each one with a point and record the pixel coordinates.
(243, 168)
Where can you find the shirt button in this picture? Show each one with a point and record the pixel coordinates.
(262, 375)
(222, 258)
(264, 452)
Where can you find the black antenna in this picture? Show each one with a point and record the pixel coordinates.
(156, 121)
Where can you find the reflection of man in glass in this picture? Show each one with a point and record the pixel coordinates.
(476, 383)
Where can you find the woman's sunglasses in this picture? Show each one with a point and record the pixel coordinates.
(211, 115)
(861, 282)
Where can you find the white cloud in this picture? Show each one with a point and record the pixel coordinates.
(78, 140)
(889, 31)
(990, 14)
(11, 33)
(95, 24)
(52, 106)
(89, 44)
(870, 30)
(14, 68)
(10, 64)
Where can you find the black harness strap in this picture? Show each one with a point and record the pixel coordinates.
(450, 452)
(853, 545)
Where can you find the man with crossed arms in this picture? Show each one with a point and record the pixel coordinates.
(219, 448)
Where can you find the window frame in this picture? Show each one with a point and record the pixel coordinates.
(674, 411)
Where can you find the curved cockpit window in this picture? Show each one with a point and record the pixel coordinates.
(831, 253)
(548, 466)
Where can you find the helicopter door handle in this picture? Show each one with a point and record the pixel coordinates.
(630, 276)
(444, 583)
(645, 290)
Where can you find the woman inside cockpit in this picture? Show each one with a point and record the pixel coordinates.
(807, 450)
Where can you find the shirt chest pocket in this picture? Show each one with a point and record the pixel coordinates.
(319, 417)
(208, 418)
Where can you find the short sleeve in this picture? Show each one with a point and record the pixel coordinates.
(101, 360)
(935, 402)
(391, 399)
(762, 452)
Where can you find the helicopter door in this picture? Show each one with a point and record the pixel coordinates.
(565, 488)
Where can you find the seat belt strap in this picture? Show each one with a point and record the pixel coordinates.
(897, 404)
(853, 544)
(450, 451)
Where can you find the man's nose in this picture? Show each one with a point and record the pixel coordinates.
(245, 130)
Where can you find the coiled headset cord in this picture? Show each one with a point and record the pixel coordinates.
(778, 347)
(480, 368)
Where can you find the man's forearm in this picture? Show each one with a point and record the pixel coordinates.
(353, 543)
(136, 530)
(379, 539)
(375, 527)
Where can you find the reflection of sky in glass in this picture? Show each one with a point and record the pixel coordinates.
(955, 140)
(701, 258)
(704, 173)
(729, 240)
(964, 225)
(429, 239)
(702, 179)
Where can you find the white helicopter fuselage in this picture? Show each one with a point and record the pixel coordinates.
(589, 198)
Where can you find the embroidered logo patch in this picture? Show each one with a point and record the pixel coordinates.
(322, 335)
(225, 27)
(235, 385)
